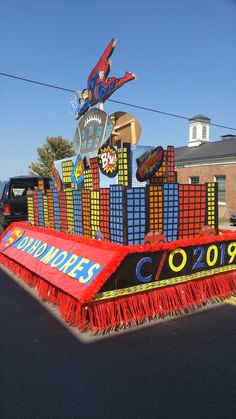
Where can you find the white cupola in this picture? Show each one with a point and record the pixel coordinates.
(199, 130)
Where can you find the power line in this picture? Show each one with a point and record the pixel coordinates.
(112, 100)
(165, 113)
(37, 82)
(148, 109)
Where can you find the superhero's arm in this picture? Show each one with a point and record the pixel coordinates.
(109, 50)
(103, 62)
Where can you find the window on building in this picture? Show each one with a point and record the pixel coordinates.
(194, 132)
(221, 180)
(194, 180)
(204, 132)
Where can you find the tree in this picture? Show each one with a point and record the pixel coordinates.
(55, 148)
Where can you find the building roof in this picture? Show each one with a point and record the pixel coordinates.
(225, 148)
(199, 117)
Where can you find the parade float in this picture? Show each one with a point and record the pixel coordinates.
(116, 240)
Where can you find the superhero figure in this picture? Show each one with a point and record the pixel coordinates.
(99, 87)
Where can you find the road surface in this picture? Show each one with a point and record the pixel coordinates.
(181, 368)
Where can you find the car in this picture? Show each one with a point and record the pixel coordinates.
(13, 197)
(233, 219)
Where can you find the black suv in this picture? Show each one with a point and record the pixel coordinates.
(13, 198)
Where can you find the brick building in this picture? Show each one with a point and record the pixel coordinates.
(205, 161)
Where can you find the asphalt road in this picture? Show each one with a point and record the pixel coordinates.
(181, 368)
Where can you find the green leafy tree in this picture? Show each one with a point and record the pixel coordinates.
(55, 148)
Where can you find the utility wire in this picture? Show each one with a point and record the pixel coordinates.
(165, 113)
(111, 100)
(37, 82)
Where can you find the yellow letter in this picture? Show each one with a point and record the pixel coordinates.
(78, 267)
(212, 255)
(34, 246)
(50, 255)
(55, 262)
(40, 250)
(70, 262)
(22, 242)
(90, 273)
(182, 264)
(28, 244)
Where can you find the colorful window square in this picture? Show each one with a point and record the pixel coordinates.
(78, 212)
(116, 214)
(124, 172)
(135, 212)
(86, 208)
(192, 209)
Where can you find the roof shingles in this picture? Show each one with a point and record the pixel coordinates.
(206, 151)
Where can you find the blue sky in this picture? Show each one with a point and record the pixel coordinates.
(183, 53)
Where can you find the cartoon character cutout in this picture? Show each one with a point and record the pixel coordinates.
(77, 175)
(13, 236)
(99, 86)
(108, 160)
